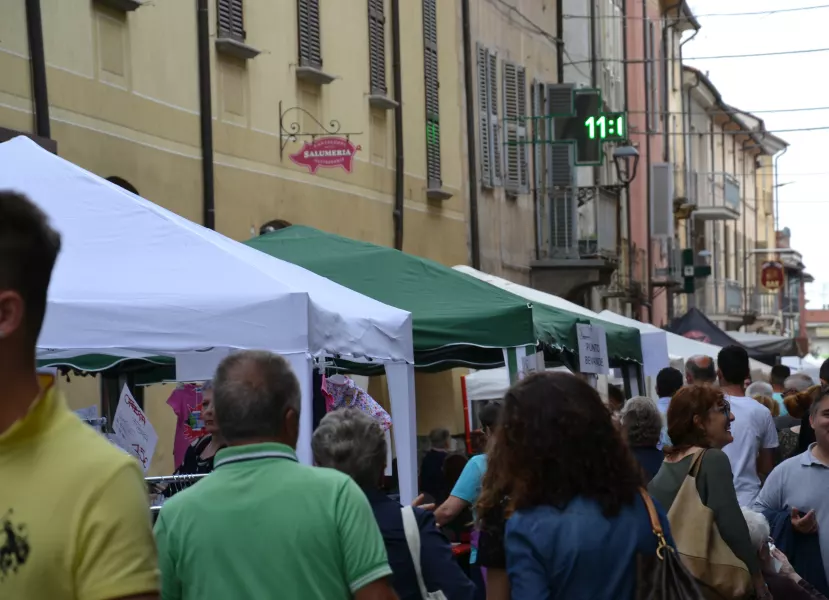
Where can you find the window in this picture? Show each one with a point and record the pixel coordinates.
(231, 19)
(516, 174)
(489, 132)
(651, 77)
(431, 83)
(377, 47)
(308, 30)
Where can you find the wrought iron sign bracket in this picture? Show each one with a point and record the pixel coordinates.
(291, 131)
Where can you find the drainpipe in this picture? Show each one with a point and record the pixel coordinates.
(205, 115)
(560, 39)
(777, 194)
(648, 153)
(40, 94)
(690, 227)
(626, 108)
(399, 174)
(686, 109)
(472, 165)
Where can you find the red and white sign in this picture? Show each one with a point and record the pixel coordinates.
(133, 432)
(327, 153)
(771, 276)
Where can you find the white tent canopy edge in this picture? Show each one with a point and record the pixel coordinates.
(136, 277)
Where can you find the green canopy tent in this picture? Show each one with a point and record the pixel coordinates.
(458, 320)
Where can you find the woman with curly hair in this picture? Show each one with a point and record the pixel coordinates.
(570, 491)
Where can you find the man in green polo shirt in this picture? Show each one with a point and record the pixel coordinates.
(262, 525)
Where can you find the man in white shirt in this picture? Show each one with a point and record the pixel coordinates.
(755, 436)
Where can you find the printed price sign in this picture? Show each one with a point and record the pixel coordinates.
(133, 432)
(592, 349)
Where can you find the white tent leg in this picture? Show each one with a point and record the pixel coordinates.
(400, 378)
(301, 364)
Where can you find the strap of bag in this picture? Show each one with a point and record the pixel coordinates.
(696, 464)
(656, 526)
(412, 532)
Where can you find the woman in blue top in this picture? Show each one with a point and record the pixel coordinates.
(575, 518)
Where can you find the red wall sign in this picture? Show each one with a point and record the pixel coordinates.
(326, 152)
(771, 276)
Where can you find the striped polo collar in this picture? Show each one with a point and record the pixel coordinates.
(268, 450)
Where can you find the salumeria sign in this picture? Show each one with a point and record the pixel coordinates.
(327, 152)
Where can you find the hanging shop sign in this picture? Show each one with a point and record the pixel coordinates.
(326, 153)
(326, 146)
(592, 349)
(771, 276)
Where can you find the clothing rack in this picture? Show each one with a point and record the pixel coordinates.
(170, 485)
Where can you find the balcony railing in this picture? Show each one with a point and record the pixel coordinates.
(716, 196)
(587, 231)
(720, 297)
(764, 303)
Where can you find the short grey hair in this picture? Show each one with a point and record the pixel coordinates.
(758, 528)
(252, 391)
(351, 442)
(642, 421)
(759, 388)
(799, 382)
(439, 438)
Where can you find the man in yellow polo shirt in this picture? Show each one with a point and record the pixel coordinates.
(74, 518)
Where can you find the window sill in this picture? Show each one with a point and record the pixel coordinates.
(122, 5)
(235, 48)
(437, 194)
(314, 75)
(382, 101)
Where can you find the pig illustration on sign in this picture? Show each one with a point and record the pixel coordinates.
(326, 152)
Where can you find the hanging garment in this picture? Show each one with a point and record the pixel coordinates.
(343, 392)
(186, 403)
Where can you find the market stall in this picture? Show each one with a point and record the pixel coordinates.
(134, 280)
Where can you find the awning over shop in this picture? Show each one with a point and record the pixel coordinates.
(679, 347)
(765, 343)
(695, 325)
(556, 319)
(457, 320)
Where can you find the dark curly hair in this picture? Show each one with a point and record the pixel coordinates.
(557, 441)
(689, 402)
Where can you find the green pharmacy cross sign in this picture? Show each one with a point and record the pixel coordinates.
(587, 127)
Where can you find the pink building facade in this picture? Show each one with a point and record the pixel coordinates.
(646, 100)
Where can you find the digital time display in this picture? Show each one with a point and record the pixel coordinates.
(607, 126)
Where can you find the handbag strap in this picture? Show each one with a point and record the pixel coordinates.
(656, 526)
(412, 532)
(696, 463)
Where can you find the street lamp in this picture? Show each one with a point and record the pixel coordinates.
(626, 160)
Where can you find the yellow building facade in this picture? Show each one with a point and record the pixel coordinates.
(124, 101)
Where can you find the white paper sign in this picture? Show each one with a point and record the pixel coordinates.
(654, 352)
(531, 363)
(133, 431)
(592, 349)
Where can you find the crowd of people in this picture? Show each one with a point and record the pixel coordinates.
(568, 495)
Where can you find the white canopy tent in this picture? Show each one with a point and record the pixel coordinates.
(134, 278)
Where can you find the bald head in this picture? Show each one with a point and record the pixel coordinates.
(254, 392)
(700, 369)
